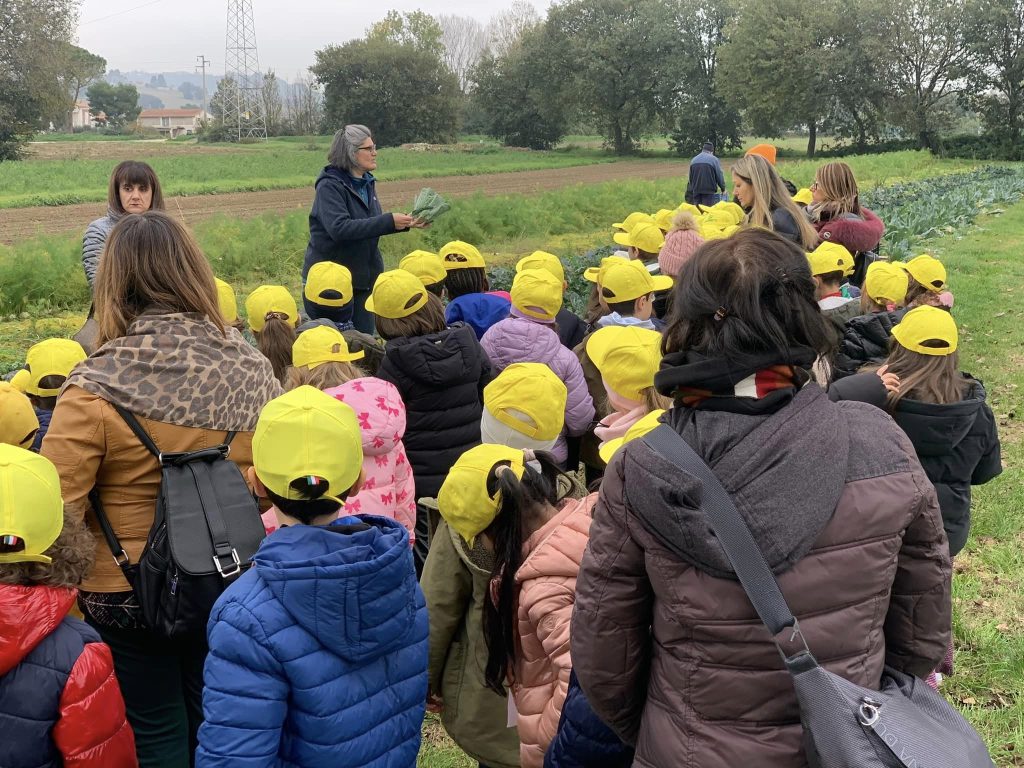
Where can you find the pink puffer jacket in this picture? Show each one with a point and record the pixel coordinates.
(388, 486)
(547, 594)
(521, 340)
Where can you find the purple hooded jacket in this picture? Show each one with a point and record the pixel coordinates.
(518, 339)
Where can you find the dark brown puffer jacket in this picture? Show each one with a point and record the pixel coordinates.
(666, 644)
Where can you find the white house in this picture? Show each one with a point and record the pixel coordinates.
(172, 122)
(80, 117)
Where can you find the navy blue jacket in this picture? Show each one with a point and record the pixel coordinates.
(44, 424)
(318, 654)
(583, 740)
(344, 229)
(706, 176)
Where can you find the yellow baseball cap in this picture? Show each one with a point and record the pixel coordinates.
(803, 196)
(646, 237)
(629, 279)
(542, 260)
(663, 219)
(267, 299)
(306, 433)
(928, 271)
(53, 357)
(396, 293)
(830, 257)
(636, 217)
(18, 421)
(321, 345)
(20, 380)
(689, 208)
(927, 324)
(461, 255)
(226, 301)
(627, 357)
(427, 266)
(464, 501)
(537, 293)
(639, 429)
(533, 391)
(724, 214)
(31, 508)
(594, 274)
(886, 283)
(329, 284)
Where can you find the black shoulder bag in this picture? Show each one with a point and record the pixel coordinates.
(206, 529)
(904, 725)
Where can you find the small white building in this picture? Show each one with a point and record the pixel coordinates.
(81, 120)
(172, 122)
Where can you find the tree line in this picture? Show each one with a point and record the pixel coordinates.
(863, 71)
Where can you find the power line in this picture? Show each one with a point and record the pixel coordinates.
(119, 13)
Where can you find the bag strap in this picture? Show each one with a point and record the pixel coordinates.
(143, 435)
(114, 544)
(731, 529)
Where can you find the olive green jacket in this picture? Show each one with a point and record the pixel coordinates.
(455, 582)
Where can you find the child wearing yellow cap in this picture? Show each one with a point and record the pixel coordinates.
(59, 699)
(527, 336)
(321, 358)
(927, 283)
(627, 358)
(470, 298)
(571, 327)
(330, 605)
(503, 502)
(18, 421)
(831, 263)
(273, 317)
(440, 373)
(945, 414)
(49, 363)
(865, 339)
(429, 268)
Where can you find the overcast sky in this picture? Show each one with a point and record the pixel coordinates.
(167, 35)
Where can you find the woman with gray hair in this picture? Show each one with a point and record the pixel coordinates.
(346, 221)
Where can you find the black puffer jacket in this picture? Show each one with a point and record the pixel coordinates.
(441, 379)
(866, 341)
(958, 446)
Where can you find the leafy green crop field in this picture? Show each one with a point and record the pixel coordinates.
(213, 169)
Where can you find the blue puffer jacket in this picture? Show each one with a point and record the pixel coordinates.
(477, 310)
(318, 654)
(583, 740)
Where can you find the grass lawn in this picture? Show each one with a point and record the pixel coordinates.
(211, 169)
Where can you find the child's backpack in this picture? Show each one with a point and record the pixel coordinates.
(206, 530)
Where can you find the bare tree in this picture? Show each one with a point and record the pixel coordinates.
(305, 105)
(507, 27)
(273, 106)
(464, 40)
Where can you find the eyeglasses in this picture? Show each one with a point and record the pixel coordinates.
(371, 148)
(814, 186)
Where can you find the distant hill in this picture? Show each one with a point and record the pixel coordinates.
(173, 89)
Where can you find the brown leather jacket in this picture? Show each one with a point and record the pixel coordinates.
(665, 642)
(91, 445)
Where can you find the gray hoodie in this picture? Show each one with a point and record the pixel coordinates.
(94, 241)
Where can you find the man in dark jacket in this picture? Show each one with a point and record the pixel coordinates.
(347, 222)
(706, 178)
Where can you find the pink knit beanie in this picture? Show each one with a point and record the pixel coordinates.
(680, 245)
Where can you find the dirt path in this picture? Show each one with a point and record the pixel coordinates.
(21, 223)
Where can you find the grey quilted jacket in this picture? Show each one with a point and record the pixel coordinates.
(93, 242)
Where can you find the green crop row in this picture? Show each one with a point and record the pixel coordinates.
(278, 165)
(46, 274)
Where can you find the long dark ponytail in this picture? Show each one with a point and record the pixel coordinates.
(520, 501)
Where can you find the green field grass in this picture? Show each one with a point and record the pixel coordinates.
(254, 167)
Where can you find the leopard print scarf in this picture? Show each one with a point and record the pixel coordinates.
(179, 369)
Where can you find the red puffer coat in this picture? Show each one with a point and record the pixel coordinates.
(60, 704)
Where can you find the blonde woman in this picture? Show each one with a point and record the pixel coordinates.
(760, 192)
(836, 213)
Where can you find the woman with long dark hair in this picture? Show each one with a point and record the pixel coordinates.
(838, 216)
(666, 643)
